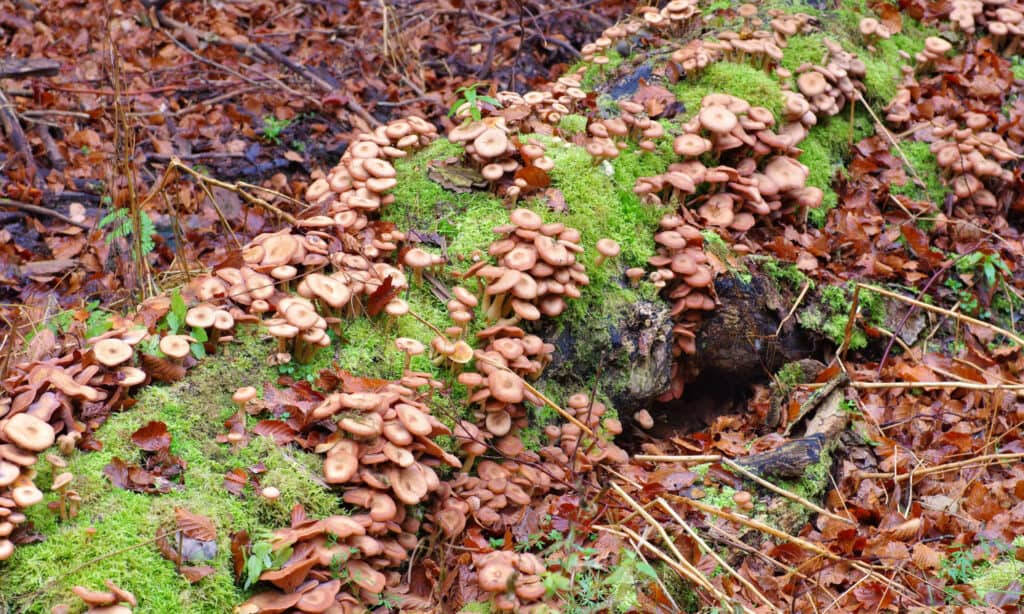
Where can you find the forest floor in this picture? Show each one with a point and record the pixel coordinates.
(727, 321)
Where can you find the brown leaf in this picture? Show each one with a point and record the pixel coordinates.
(117, 472)
(195, 526)
(239, 551)
(380, 297)
(235, 481)
(152, 437)
(534, 177)
(195, 574)
(279, 431)
(161, 369)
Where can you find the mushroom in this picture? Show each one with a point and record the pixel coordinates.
(176, 347)
(29, 432)
(112, 352)
(606, 248)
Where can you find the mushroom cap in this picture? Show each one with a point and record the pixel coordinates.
(812, 83)
(175, 346)
(718, 119)
(417, 258)
(717, 210)
(319, 599)
(366, 577)
(243, 395)
(99, 598)
(608, 248)
(496, 576)
(29, 432)
(491, 143)
(505, 386)
(301, 315)
(522, 258)
(690, 144)
(27, 495)
(410, 484)
(112, 352)
(411, 347)
(130, 376)
(936, 45)
(524, 218)
(62, 480)
(200, 316)
(341, 462)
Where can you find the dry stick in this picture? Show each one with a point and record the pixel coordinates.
(728, 462)
(888, 385)
(237, 188)
(704, 545)
(680, 559)
(657, 578)
(802, 543)
(920, 473)
(695, 577)
(16, 204)
(11, 125)
(958, 316)
(792, 310)
(888, 135)
(712, 458)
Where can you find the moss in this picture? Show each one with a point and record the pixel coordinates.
(787, 274)
(923, 161)
(1003, 572)
(194, 411)
(572, 124)
(743, 80)
(825, 151)
(790, 375)
(596, 74)
(831, 315)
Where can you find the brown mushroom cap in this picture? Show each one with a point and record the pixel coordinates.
(341, 462)
(496, 576)
(505, 386)
(9, 472)
(491, 143)
(27, 495)
(608, 248)
(524, 218)
(100, 598)
(366, 577)
(29, 432)
(175, 346)
(718, 119)
(319, 599)
(112, 352)
(243, 395)
(812, 83)
(200, 316)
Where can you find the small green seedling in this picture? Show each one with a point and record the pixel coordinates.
(473, 101)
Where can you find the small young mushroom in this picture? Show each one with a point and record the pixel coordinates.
(606, 248)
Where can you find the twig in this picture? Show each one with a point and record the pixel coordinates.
(6, 202)
(708, 549)
(11, 125)
(237, 188)
(728, 462)
(958, 316)
(895, 144)
(792, 310)
(920, 473)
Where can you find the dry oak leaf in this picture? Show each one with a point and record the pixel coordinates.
(196, 526)
(926, 558)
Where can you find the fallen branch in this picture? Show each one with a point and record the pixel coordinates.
(920, 473)
(6, 202)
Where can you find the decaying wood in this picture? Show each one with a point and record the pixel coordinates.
(17, 68)
(788, 460)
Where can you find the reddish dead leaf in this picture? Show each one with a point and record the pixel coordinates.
(239, 551)
(195, 574)
(279, 431)
(117, 472)
(535, 178)
(235, 481)
(556, 200)
(655, 99)
(380, 297)
(152, 437)
(194, 525)
(161, 369)
(355, 383)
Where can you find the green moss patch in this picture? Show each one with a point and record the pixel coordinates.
(41, 575)
(923, 162)
(738, 79)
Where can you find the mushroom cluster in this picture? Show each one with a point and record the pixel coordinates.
(47, 398)
(537, 269)
(610, 135)
(110, 601)
(308, 580)
(758, 174)
(495, 497)
(509, 357)
(831, 87)
(1002, 20)
(972, 158)
(496, 152)
(512, 580)
(678, 18)
(692, 58)
(539, 111)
